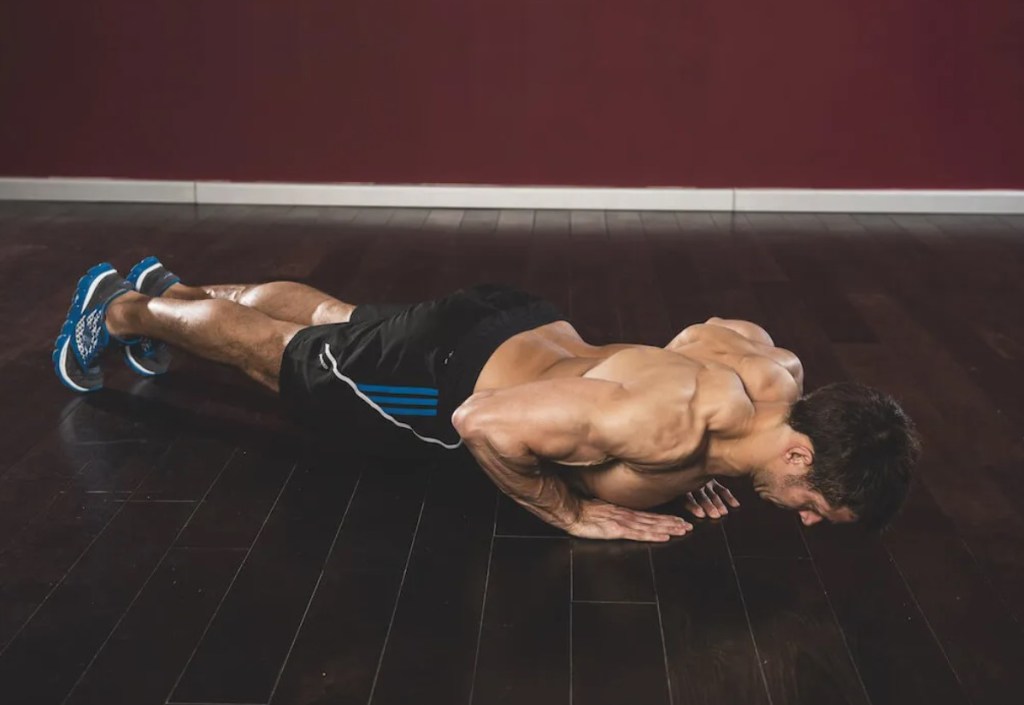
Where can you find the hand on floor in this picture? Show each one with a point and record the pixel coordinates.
(710, 501)
(601, 520)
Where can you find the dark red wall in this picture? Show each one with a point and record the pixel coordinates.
(713, 93)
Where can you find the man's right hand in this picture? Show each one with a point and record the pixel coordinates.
(601, 520)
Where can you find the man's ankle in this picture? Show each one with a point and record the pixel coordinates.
(118, 316)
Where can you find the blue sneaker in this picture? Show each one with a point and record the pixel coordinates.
(84, 335)
(147, 356)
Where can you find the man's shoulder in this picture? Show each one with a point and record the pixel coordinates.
(722, 403)
(771, 378)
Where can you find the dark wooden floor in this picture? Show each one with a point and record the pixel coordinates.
(172, 541)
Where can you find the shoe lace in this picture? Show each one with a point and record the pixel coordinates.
(87, 334)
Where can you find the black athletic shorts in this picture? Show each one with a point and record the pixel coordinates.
(387, 382)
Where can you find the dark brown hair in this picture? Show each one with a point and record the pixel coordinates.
(865, 447)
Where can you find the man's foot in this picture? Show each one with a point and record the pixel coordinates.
(84, 335)
(147, 356)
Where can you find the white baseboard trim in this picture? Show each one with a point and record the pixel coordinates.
(428, 196)
(443, 196)
(118, 190)
(888, 201)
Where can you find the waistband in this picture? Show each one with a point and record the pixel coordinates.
(475, 348)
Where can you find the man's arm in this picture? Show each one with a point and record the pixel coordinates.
(569, 421)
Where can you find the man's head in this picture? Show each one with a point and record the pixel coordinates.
(848, 458)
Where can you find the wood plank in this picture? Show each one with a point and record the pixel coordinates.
(675, 270)
(592, 302)
(524, 642)
(247, 640)
(639, 307)
(432, 646)
(39, 558)
(606, 673)
(187, 472)
(890, 639)
(722, 264)
(505, 251)
(24, 425)
(968, 619)
(803, 652)
(335, 655)
(816, 267)
(59, 521)
(233, 512)
(611, 571)
(145, 653)
(710, 653)
(549, 264)
(757, 528)
(46, 658)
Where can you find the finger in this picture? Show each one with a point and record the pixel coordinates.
(674, 526)
(651, 536)
(719, 504)
(709, 506)
(692, 506)
(624, 512)
(729, 498)
(663, 523)
(627, 516)
(612, 530)
(725, 494)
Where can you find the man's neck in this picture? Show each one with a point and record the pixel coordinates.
(763, 438)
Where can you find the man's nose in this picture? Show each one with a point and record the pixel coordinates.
(809, 518)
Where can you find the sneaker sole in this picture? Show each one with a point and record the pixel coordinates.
(84, 291)
(60, 361)
(132, 363)
(93, 278)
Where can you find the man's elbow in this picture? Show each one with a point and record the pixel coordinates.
(462, 421)
(469, 419)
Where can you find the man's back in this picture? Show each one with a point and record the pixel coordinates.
(706, 381)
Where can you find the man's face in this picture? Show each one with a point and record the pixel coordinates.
(808, 503)
(784, 486)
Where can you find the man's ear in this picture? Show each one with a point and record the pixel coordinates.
(801, 456)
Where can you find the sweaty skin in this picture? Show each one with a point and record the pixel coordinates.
(554, 420)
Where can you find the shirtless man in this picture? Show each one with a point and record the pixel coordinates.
(583, 436)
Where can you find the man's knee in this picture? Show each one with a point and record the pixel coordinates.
(256, 295)
(253, 294)
(332, 311)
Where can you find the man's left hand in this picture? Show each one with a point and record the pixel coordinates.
(710, 501)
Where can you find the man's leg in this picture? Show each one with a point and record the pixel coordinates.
(285, 301)
(214, 329)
